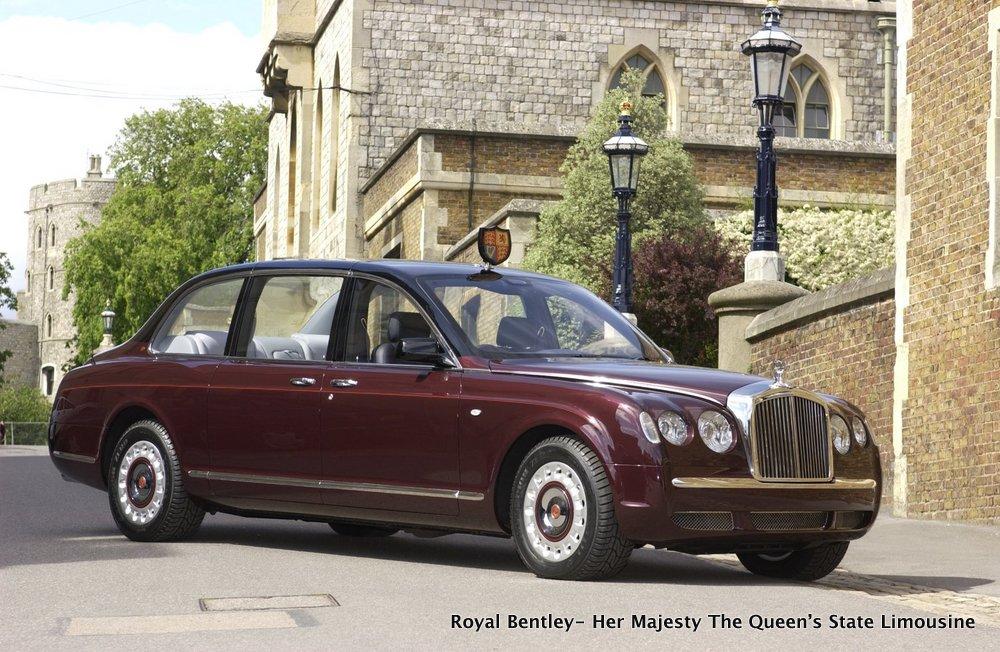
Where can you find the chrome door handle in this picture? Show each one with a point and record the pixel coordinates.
(303, 382)
(344, 382)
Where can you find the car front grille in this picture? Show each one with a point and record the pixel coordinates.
(790, 440)
(778, 521)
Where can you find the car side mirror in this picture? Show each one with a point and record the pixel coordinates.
(425, 350)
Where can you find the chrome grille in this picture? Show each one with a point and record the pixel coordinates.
(790, 440)
(774, 521)
(720, 521)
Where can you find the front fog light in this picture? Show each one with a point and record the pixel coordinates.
(841, 435)
(649, 427)
(673, 428)
(860, 434)
(715, 431)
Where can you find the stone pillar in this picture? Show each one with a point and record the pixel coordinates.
(887, 26)
(736, 306)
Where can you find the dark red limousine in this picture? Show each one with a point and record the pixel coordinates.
(391, 395)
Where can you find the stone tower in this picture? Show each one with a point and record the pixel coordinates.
(57, 212)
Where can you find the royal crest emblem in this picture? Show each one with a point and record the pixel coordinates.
(494, 245)
(779, 374)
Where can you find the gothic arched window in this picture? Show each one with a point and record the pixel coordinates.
(806, 111)
(654, 79)
(48, 325)
(52, 278)
(38, 238)
(52, 235)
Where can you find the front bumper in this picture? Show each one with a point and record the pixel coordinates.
(728, 514)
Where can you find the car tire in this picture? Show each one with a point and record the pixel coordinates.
(805, 565)
(358, 530)
(146, 487)
(562, 514)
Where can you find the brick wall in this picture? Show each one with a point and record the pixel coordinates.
(838, 341)
(829, 172)
(22, 369)
(503, 155)
(951, 325)
(391, 180)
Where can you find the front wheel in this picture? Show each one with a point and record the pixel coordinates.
(146, 487)
(803, 565)
(563, 514)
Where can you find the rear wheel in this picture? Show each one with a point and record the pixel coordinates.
(357, 530)
(803, 565)
(563, 515)
(146, 487)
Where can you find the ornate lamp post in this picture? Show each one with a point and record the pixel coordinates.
(625, 152)
(108, 319)
(769, 50)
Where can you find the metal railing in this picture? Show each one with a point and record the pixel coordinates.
(25, 433)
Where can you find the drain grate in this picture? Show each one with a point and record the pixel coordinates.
(268, 602)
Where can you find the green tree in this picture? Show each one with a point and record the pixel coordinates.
(7, 301)
(23, 404)
(183, 204)
(576, 236)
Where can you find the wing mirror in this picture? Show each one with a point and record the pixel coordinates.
(424, 350)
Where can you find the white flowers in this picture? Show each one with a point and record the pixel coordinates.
(823, 247)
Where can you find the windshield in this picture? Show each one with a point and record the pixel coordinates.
(514, 317)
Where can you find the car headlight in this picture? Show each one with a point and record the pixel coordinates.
(860, 434)
(674, 428)
(715, 431)
(841, 435)
(649, 427)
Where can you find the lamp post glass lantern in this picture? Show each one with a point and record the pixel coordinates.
(625, 152)
(108, 319)
(770, 50)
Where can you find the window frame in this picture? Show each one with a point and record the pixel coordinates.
(801, 94)
(340, 324)
(244, 277)
(239, 335)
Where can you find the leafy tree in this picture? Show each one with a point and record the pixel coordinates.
(23, 404)
(576, 236)
(823, 247)
(7, 300)
(183, 204)
(674, 274)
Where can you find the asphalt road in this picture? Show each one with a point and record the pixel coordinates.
(68, 580)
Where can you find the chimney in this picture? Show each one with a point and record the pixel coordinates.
(95, 167)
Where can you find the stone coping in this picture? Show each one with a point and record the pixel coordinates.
(16, 322)
(832, 300)
(515, 207)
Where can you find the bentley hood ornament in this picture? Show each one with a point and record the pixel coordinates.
(779, 374)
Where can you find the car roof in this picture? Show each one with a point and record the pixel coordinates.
(409, 269)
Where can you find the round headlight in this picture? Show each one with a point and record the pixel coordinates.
(673, 428)
(841, 435)
(860, 434)
(649, 427)
(715, 431)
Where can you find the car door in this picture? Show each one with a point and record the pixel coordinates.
(390, 428)
(263, 415)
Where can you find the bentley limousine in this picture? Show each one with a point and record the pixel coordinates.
(433, 398)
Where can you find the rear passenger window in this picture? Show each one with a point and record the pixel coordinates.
(293, 318)
(199, 324)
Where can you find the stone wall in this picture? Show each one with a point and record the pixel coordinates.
(947, 410)
(838, 341)
(21, 339)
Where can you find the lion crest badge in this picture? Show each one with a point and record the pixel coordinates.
(494, 245)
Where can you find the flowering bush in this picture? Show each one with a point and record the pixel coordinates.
(823, 247)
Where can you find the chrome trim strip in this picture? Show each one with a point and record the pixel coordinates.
(614, 382)
(73, 457)
(840, 484)
(424, 492)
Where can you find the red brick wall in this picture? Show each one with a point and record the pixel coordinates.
(951, 420)
(849, 354)
(538, 157)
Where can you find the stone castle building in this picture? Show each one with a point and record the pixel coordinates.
(399, 127)
(41, 337)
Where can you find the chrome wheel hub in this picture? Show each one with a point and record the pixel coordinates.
(141, 483)
(555, 511)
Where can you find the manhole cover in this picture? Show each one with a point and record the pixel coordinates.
(256, 603)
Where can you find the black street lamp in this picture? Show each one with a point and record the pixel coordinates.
(108, 319)
(625, 152)
(769, 50)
